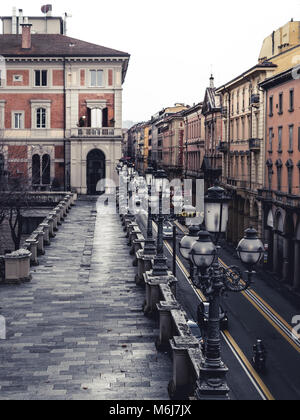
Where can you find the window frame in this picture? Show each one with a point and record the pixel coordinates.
(97, 72)
(41, 85)
(13, 120)
(280, 103)
(292, 100)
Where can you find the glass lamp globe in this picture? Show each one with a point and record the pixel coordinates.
(161, 180)
(149, 176)
(216, 210)
(188, 241)
(250, 249)
(203, 251)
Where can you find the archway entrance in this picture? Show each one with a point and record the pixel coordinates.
(95, 170)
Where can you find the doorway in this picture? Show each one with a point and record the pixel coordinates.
(95, 170)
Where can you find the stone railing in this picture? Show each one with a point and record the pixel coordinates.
(40, 198)
(17, 264)
(161, 304)
(96, 132)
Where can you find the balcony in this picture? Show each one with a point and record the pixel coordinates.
(223, 147)
(255, 145)
(96, 132)
(282, 199)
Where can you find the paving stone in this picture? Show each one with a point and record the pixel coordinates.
(68, 327)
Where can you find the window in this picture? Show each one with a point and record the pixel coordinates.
(18, 121)
(291, 100)
(279, 139)
(96, 118)
(279, 172)
(291, 138)
(36, 170)
(290, 167)
(270, 139)
(46, 170)
(18, 78)
(271, 104)
(270, 172)
(96, 78)
(41, 118)
(41, 77)
(299, 139)
(280, 111)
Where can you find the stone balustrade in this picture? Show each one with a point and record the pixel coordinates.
(17, 264)
(175, 336)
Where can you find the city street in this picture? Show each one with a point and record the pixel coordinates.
(261, 312)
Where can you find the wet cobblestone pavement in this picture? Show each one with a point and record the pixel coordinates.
(77, 331)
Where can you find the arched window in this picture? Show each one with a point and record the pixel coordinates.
(46, 170)
(290, 168)
(41, 118)
(279, 174)
(36, 170)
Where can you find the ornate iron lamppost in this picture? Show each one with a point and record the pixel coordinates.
(214, 279)
(160, 267)
(149, 248)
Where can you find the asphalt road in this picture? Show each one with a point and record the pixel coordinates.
(265, 313)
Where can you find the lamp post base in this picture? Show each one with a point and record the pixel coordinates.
(212, 384)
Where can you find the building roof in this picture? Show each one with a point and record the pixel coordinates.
(278, 79)
(258, 67)
(54, 45)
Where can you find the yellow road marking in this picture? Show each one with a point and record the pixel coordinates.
(248, 365)
(228, 336)
(267, 317)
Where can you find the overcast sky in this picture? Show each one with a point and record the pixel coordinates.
(174, 44)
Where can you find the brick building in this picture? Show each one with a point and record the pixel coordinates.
(60, 106)
(280, 196)
(211, 111)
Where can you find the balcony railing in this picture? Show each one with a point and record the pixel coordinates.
(283, 199)
(255, 145)
(96, 132)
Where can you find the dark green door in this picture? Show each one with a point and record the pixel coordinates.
(95, 170)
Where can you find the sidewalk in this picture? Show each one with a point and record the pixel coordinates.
(77, 331)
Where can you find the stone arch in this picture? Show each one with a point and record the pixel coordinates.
(289, 251)
(270, 220)
(279, 221)
(247, 207)
(297, 234)
(95, 170)
(255, 215)
(241, 218)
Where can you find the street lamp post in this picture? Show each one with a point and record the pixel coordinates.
(160, 267)
(213, 281)
(185, 247)
(149, 248)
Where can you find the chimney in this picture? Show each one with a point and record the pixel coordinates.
(20, 20)
(14, 21)
(26, 36)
